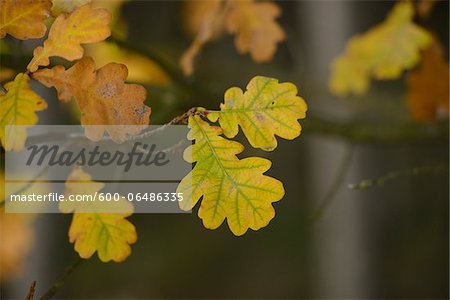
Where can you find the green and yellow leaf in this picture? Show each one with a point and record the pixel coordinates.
(267, 108)
(383, 52)
(108, 234)
(232, 188)
(18, 107)
(84, 25)
(24, 19)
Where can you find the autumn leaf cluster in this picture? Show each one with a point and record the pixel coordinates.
(101, 94)
(227, 187)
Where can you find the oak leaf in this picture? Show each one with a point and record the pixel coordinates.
(232, 188)
(18, 107)
(110, 234)
(84, 25)
(119, 28)
(102, 96)
(428, 85)
(24, 19)
(255, 27)
(266, 109)
(383, 52)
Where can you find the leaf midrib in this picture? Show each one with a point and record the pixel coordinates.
(222, 167)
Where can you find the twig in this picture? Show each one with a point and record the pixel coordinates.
(380, 181)
(31, 291)
(60, 283)
(177, 120)
(334, 188)
(355, 132)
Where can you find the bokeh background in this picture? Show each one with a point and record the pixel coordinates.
(327, 240)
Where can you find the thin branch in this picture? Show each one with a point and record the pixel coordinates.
(330, 195)
(354, 132)
(177, 120)
(380, 181)
(60, 283)
(31, 291)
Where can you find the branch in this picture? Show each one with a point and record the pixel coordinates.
(60, 283)
(31, 291)
(380, 181)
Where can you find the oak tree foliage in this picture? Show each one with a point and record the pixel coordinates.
(225, 186)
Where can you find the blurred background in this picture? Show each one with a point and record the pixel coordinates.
(327, 240)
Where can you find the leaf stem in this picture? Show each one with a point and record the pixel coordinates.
(60, 283)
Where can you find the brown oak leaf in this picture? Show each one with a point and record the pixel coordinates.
(102, 96)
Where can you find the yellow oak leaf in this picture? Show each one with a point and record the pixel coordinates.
(18, 107)
(24, 19)
(140, 68)
(102, 96)
(255, 27)
(84, 25)
(428, 85)
(118, 26)
(110, 234)
(383, 52)
(266, 109)
(232, 188)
